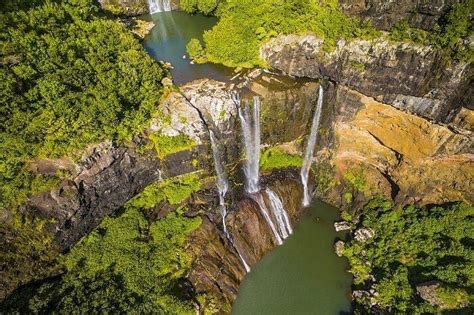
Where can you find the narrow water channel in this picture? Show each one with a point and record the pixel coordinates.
(303, 276)
(168, 39)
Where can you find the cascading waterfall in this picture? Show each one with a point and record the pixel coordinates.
(263, 208)
(308, 155)
(279, 211)
(250, 123)
(277, 219)
(222, 187)
(159, 6)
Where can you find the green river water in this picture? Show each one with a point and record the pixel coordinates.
(302, 276)
(168, 39)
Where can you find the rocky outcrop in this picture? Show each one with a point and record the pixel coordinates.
(385, 14)
(407, 76)
(386, 152)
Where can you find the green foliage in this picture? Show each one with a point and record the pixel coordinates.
(448, 37)
(126, 265)
(412, 246)
(68, 78)
(173, 190)
(204, 6)
(165, 145)
(348, 197)
(402, 31)
(195, 50)
(356, 179)
(274, 158)
(245, 24)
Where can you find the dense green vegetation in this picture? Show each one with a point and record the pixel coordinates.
(413, 246)
(245, 24)
(128, 264)
(274, 158)
(165, 145)
(203, 6)
(68, 77)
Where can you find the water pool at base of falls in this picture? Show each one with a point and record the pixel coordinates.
(302, 276)
(168, 39)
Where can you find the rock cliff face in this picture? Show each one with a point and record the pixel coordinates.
(385, 14)
(399, 155)
(407, 76)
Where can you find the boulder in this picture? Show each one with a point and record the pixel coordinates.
(339, 248)
(364, 234)
(342, 226)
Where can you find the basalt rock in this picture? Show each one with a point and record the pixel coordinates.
(408, 76)
(385, 14)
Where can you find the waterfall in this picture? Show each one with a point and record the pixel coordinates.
(159, 6)
(250, 123)
(263, 208)
(284, 225)
(308, 155)
(222, 185)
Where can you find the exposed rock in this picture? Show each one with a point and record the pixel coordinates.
(407, 76)
(400, 155)
(363, 235)
(342, 226)
(385, 14)
(339, 248)
(428, 292)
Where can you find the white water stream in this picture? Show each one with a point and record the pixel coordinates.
(308, 155)
(159, 6)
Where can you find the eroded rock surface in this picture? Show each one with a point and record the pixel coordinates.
(407, 76)
(385, 14)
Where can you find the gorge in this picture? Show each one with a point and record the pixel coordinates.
(230, 183)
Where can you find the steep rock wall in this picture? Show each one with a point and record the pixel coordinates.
(385, 14)
(407, 76)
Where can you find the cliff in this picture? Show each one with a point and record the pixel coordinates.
(385, 14)
(406, 76)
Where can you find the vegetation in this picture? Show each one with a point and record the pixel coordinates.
(165, 145)
(127, 264)
(274, 158)
(204, 6)
(414, 246)
(68, 77)
(245, 24)
(448, 36)
(195, 50)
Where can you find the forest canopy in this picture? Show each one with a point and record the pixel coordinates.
(69, 76)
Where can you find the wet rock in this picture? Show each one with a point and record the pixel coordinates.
(364, 234)
(339, 248)
(342, 226)
(407, 76)
(217, 269)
